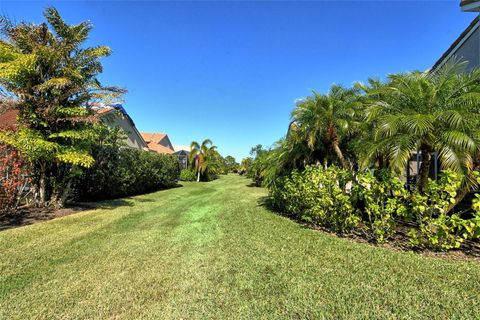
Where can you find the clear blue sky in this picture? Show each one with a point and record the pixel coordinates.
(231, 71)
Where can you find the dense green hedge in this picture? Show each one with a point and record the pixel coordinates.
(376, 204)
(188, 174)
(119, 172)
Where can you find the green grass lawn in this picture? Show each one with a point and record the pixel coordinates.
(210, 250)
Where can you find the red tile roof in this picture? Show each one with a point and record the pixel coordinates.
(154, 140)
(153, 137)
(159, 148)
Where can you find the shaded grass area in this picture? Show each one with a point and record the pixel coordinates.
(211, 250)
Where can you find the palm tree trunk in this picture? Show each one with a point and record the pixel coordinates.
(339, 154)
(198, 176)
(425, 167)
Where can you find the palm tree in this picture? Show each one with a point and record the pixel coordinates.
(325, 119)
(430, 111)
(202, 156)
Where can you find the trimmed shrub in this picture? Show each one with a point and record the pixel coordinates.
(381, 200)
(188, 175)
(119, 172)
(317, 195)
(437, 228)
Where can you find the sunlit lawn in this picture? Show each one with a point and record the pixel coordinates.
(210, 250)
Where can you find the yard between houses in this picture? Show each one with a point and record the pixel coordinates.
(212, 250)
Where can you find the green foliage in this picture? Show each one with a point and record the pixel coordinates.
(231, 164)
(333, 199)
(119, 172)
(188, 174)
(437, 229)
(317, 195)
(54, 76)
(322, 122)
(426, 111)
(381, 199)
(245, 166)
(206, 161)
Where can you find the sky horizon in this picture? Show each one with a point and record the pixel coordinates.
(231, 71)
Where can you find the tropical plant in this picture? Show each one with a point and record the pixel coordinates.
(231, 164)
(52, 77)
(436, 228)
(188, 174)
(317, 195)
(428, 112)
(381, 198)
(323, 120)
(245, 165)
(204, 158)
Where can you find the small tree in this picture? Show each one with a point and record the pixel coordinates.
(323, 120)
(429, 112)
(204, 158)
(52, 78)
(231, 163)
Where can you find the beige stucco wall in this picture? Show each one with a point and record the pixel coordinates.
(114, 120)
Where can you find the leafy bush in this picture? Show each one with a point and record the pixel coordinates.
(188, 175)
(14, 179)
(317, 195)
(119, 172)
(381, 200)
(437, 228)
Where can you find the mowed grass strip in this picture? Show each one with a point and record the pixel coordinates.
(211, 250)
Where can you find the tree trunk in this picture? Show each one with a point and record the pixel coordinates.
(60, 201)
(42, 186)
(198, 176)
(339, 154)
(424, 168)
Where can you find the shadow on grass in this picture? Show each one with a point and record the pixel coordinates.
(267, 203)
(29, 215)
(253, 185)
(108, 204)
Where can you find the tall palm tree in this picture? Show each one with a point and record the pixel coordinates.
(326, 119)
(202, 156)
(430, 111)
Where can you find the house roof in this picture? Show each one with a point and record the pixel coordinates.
(159, 148)
(154, 140)
(8, 119)
(456, 43)
(470, 5)
(153, 137)
(101, 111)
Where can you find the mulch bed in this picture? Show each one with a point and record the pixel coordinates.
(30, 215)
